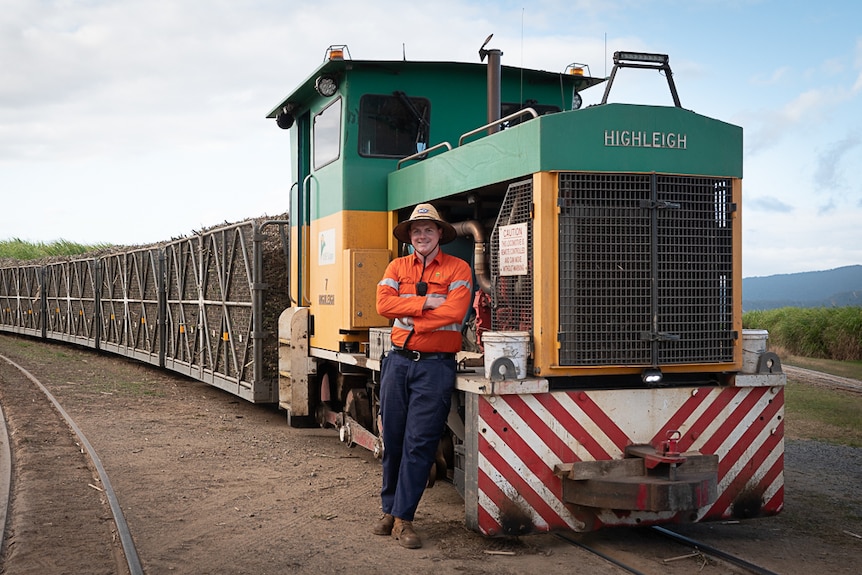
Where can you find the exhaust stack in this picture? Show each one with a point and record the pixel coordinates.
(494, 83)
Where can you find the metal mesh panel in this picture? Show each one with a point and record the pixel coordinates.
(20, 294)
(69, 293)
(212, 298)
(130, 304)
(512, 300)
(183, 300)
(645, 270)
(227, 280)
(695, 270)
(604, 269)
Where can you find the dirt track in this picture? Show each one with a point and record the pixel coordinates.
(212, 484)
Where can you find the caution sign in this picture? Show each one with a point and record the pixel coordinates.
(513, 250)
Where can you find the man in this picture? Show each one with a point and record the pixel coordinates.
(427, 293)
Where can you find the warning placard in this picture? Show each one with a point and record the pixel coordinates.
(513, 250)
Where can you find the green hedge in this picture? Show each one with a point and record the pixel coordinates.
(829, 333)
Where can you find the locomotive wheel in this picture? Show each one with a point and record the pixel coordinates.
(438, 468)
(359, 408)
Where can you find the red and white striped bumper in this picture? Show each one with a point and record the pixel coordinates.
(513, 443)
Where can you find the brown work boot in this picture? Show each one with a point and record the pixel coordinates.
(384, 525)
(404, 533)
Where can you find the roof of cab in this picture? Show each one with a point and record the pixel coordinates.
(306, 91)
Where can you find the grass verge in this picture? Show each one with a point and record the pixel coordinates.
(822, 414)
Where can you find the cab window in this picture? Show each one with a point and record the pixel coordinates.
(393, 126)
(327, 134)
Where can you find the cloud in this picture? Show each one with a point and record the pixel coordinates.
(787, 243)
(827, 208)
(858, 65)
(831, 67)
(808, 109)
(768, 204)
(98, 79)
(769, 127)
(92, 78)
(828, 174)
(775, 77)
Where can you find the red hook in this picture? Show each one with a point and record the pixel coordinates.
(671, 446)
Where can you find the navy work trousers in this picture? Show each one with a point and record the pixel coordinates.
(414, 403)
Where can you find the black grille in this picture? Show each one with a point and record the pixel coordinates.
(646, 267)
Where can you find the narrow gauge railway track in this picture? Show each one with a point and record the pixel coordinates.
(27, 537)
(706, 557)
(821, 379)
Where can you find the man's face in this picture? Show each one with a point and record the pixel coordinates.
(425, 236)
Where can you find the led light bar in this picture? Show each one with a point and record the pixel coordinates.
(640, 57)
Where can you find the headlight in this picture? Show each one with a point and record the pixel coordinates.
(326, 86)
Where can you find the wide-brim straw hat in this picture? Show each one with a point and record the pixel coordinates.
(424, 212)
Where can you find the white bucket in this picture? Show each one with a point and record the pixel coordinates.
(753, 345)
(513, 345)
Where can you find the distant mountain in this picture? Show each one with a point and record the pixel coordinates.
(830, 288)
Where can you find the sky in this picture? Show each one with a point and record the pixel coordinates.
(137, 121)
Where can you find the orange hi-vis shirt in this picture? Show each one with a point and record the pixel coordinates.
(434, 330)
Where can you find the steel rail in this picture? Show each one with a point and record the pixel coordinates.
(598, 553)
(128, 543)
(709, 550)
(5, 477)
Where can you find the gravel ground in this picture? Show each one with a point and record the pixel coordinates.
(835, 471)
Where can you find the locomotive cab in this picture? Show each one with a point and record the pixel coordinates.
(351, 123)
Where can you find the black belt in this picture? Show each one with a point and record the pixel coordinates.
(418, 355)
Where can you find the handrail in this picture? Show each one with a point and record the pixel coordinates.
(305, 239)
(298, 231)
(448, 146)
(423, 153)
(517, 114)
